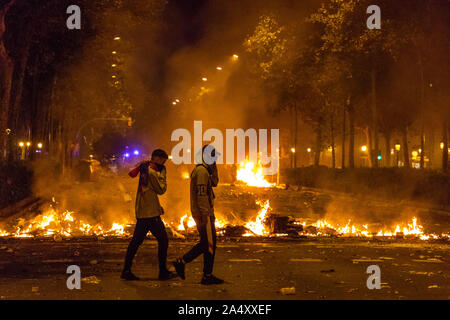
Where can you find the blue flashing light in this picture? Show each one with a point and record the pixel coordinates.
(127, 155)
(136, 152)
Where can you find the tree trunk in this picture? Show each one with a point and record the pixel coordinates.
(292, 132)
(351, 142)
(333, 151)
(373, 155)
(50, 129)
(369, 143)
(295, 135)
(6, 72)
(387, 136)
(343, 140)
(318, 146)
(405, 146)
(422, 145)
(422, 106)
(17, 88)
(445, 149)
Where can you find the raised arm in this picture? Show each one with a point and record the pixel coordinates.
(214, 175)
(158, 181)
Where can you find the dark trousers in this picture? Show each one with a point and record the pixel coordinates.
(205, 227)
(143, 226)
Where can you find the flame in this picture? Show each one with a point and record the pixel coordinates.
(220, 223)
(257, 226)
(186, 221)
(67, 224)
(117, 229)
(252, 175)
(350, 230)
(185, 175)
(68, 216)
(190, 223)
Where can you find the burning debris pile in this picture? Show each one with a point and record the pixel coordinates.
(65, 224)
(265, 224)
(268, 224)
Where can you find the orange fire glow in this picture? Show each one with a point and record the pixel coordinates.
(258, 226)
(188, 221)
(67, 224)
(252, 175)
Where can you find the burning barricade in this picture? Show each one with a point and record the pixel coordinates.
(266, 223)
(52, 223)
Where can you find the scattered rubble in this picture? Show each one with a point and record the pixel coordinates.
(91, 280)
(287, 291)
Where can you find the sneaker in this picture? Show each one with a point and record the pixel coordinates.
(128, 275)
(167, 275)
(179, 267)
(211, 280)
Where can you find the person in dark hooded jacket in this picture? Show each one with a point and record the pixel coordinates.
(203, 178)
(152, 182)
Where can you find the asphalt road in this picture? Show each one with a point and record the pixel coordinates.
(253, 269)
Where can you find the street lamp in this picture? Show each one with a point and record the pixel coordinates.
(28, 143)
(22, 147)
(292, 157)
(441, 146)
(39, 145)
(235, 57)
(309, 150)
(116, 38)
(364, 148)
(397, 149)
(205, 79)
(219, 68)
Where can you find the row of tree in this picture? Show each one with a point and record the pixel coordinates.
(338, 75)
(58, 86)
